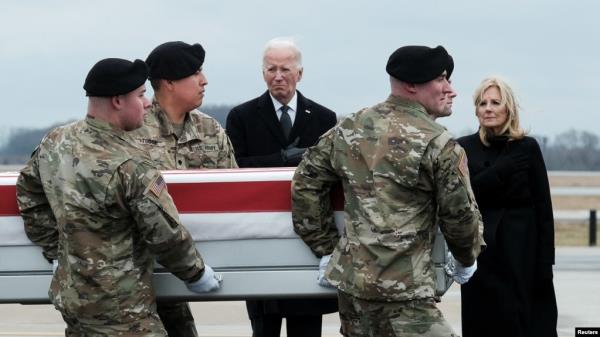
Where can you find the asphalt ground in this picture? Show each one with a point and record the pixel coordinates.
(576, 279)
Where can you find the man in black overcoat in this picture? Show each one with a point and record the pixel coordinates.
(274, 130)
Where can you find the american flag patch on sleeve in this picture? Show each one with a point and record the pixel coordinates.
(158, 185)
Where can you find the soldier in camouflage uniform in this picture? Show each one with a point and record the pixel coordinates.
(177, 136)
(102, 213)
(401, 173)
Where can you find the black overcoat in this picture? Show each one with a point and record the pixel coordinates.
(511, 293)
(256, 134)
(257, 139)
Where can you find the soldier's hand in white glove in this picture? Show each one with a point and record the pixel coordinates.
(461, 273)
(207, 283)
(322, 267)
(54, 266)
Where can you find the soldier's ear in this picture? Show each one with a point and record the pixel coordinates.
(168, 84)
(116, 102)
(409, 87)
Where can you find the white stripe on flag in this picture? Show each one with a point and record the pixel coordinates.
(202, 226)
(239, 175)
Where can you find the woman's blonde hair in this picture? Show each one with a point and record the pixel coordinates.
(511, 127)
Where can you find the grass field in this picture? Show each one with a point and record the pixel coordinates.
(574, 233)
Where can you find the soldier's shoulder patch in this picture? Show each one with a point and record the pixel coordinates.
(463, 165)
(157, 186)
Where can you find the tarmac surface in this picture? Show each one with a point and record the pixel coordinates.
(576, 279)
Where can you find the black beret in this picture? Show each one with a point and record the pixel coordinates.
(419, 64)
(113, 77)
(175, 60)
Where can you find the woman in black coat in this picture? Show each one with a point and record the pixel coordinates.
(511, 293)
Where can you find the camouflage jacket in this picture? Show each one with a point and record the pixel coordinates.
(203, 142)
(402, 174)
(89, 200)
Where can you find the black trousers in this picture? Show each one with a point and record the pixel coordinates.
(297, 325)
(177, 319)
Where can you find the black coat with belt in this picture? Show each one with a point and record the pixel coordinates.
(511, 293)
(257, 139)
(256, 134)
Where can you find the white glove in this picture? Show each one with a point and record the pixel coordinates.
(322, 266)
(207, 283)
(461, 273)
(54, 266)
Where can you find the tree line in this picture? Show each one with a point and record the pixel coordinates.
(572, 150)
(21, 142)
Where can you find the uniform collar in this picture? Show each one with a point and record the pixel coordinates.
(166, 128)
(103, 125)
(409, 105)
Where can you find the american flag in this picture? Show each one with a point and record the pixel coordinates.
(157, 186)
(225, 204)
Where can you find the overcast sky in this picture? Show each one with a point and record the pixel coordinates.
(548, 50)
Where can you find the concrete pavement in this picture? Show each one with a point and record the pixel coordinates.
(577, 283)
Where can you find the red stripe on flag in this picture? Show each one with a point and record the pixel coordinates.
(217, 197)
(337, 197)
(236, 197)
(8, 200)
(256, 196)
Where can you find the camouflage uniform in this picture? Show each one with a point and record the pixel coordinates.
(90, 201)
(401, 173)
(202, 144)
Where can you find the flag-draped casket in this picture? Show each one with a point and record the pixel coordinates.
(240, 220)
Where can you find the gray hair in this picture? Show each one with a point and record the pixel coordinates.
(284, 43)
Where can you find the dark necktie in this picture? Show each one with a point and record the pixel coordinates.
(286, 121)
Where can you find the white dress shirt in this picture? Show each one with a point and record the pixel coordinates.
(293, 104)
